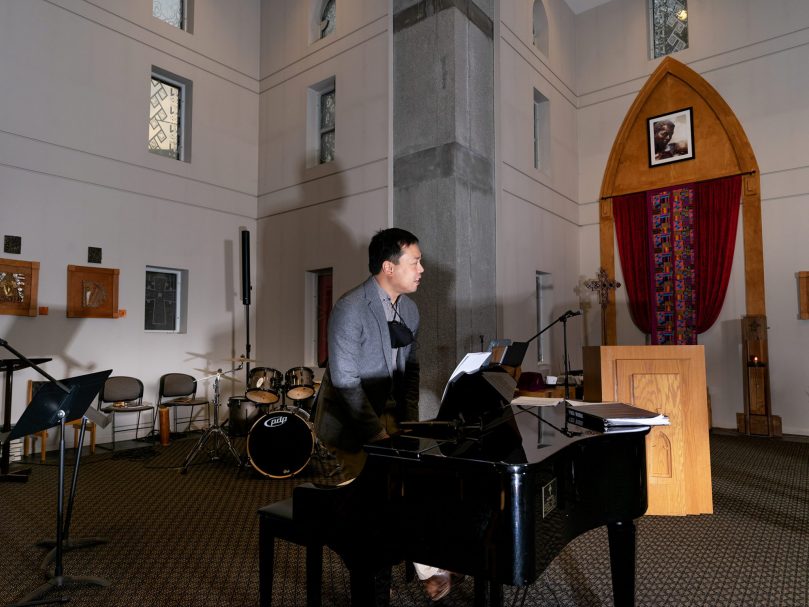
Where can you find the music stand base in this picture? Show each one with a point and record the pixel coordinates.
(19, 475)
(67, 545)
(61, 581)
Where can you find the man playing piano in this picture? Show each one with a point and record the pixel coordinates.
(371, 381)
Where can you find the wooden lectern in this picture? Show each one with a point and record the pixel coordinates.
(669, 380)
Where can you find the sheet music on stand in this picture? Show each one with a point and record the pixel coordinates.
(472, 362)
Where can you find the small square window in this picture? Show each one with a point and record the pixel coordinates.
(165, 300)
(174, 12)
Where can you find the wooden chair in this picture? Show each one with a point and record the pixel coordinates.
(28, 441)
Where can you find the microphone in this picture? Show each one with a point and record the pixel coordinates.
(570, 314)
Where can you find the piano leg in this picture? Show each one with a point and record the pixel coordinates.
(488, 594)
(370, 589)
(622, 562)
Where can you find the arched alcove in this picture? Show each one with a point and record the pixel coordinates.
(720, 149)
(540, 27)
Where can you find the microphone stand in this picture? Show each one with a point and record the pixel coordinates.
(563, 319)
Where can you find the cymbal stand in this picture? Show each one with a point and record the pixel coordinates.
(214, 430)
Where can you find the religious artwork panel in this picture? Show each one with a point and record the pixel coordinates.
(19, 284)
(92, 292)
(671, 221)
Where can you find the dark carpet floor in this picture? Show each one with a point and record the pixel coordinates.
(192, 540)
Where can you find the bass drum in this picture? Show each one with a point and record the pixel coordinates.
(242, 415)
(281, 443)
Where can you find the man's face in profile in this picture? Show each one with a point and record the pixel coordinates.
(663, 131)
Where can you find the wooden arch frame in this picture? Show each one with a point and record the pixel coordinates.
(721, 149)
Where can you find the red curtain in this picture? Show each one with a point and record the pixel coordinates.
(715, 220)
(632, 233)
(716, 204)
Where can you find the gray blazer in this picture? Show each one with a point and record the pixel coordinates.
(359, 379)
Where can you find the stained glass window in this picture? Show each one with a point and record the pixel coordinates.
(170, 11)
(327, 18)
(164, 119)
(327, 124)
(669, 23)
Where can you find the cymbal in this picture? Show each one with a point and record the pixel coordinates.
(209, 373)
(241, 359)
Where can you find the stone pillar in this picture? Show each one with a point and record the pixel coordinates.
(443, 174)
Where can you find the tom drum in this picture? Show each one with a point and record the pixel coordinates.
(242, 415)
(281, 443)
(300, 383)
(264, 385)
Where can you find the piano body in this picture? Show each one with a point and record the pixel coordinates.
(488, 489)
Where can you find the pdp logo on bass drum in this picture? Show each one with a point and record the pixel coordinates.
(275, 421)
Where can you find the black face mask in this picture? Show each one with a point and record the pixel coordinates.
(400, 334)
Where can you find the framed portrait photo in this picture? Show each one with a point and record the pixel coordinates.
(671, 137)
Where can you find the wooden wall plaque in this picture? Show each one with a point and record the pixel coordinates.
(92, 292)
(19, 287)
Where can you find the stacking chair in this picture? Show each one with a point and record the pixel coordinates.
(180, 390)
(123, 395)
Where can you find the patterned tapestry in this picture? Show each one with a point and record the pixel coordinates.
(671, 226)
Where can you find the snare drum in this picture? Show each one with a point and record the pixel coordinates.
(242, 415)
(264, 385)
(300, 383)
(281, 443)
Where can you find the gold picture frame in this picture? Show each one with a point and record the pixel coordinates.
(92, 292)
(19, 287)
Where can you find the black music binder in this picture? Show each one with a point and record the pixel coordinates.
(603, 417)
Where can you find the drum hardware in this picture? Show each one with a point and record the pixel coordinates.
(214, 429)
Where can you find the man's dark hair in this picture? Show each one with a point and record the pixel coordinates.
(387, 245)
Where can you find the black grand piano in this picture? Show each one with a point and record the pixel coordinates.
(489, 489)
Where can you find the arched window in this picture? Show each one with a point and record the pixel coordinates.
(540, 20)
(327, 18)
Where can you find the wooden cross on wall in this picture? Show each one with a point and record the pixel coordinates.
(602, 284)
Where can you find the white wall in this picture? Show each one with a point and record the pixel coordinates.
(538, 214)
(753, 54)
(75, 172)
(321, 216)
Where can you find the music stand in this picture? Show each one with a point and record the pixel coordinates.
(68, 543)
(57, 403)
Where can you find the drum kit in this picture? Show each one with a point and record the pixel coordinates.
(280, 439)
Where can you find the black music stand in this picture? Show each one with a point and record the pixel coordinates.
(102, 421)
(55, 404)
